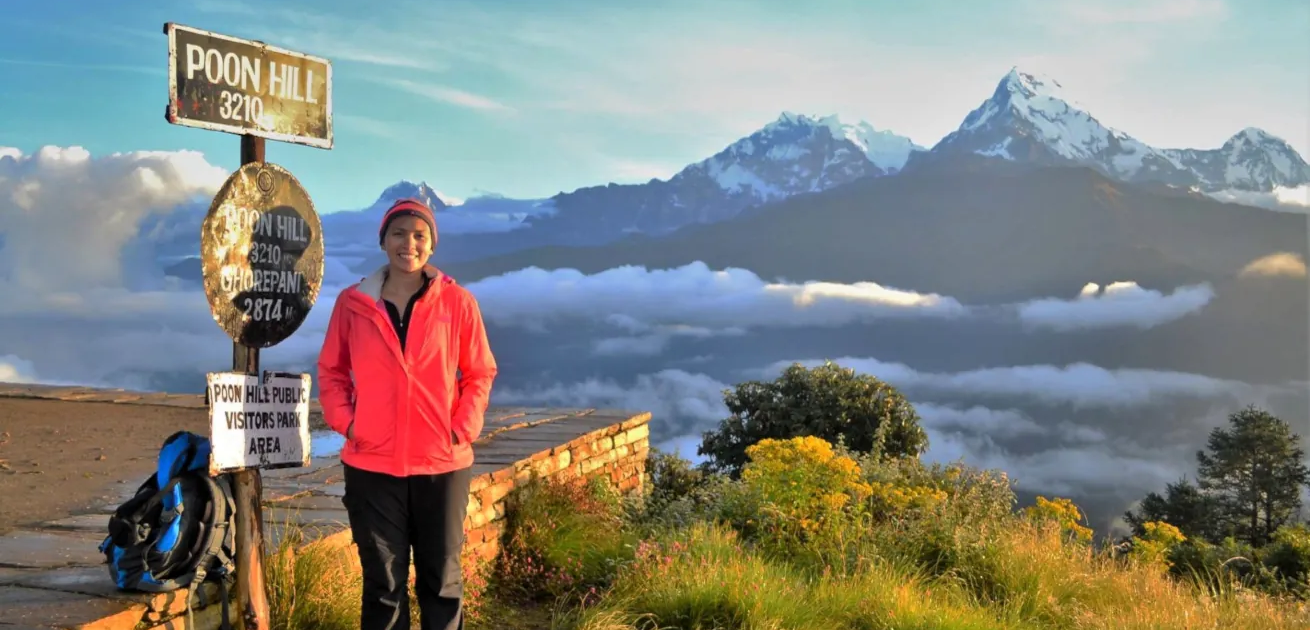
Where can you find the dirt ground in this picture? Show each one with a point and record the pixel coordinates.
(62, 458)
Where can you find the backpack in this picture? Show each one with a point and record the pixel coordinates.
(178, 529)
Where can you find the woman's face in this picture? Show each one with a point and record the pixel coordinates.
(408, 244)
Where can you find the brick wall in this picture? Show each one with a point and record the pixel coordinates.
(617, 452)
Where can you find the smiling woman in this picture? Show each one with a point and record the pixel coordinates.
(407, 386)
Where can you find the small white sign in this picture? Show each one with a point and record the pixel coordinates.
(258, 423)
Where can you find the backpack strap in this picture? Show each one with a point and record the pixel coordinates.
(224, 507)
(132, 523)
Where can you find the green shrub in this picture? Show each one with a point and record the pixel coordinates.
(1288, 560)
(1064, 514)
(828, 402)
(563, 537)
(794, 492)
(1155, 546)
(678, 495)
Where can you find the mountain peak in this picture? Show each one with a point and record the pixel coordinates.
(887, 150)
(420, 190)
(1254, 135)
(1030, 118)
(1030, 85)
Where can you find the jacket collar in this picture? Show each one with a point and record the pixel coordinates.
(371, 285)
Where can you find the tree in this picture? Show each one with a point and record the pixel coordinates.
(1183, 505)
(1255, 471)
(828, 402)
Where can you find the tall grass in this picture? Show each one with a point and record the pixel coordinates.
(318, 584)
(813, 539)
(910, 547)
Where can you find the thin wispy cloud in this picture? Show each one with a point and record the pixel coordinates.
(335, 37)
(368, 125)
(1145, 12)
(450, 95)
(88, 31)
(89, 67)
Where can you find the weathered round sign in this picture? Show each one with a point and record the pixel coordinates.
(261, 252)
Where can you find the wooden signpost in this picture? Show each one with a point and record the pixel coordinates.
(262, 260)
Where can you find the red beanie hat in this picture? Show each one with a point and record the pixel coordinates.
(411, 207)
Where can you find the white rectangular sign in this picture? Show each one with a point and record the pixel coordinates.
(258, 424)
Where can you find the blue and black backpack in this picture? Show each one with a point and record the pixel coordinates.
(177, 530)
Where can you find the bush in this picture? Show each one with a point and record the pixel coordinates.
(671, 477)
(562, 538)
(1155, 547)
(678, 495)
(1288, 559)
(1062, 512)
(795, 491)
(828, 402)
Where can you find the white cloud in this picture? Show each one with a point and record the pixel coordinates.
(1077, 385)
(977, 419)
(694, 295)
(15, 369)
(1281, 198)
(1061, 470)
(651, 344)
(1057, 457)
(1276, 264)
(66, 215)
(656, 305)
(1118, 304)
(667, 394)
(648, 340)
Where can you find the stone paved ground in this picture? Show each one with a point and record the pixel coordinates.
(51, 575)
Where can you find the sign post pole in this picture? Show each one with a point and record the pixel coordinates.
(247, 485)
(262, 260)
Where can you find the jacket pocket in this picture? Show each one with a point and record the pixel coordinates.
(375, 427)
(432, 441)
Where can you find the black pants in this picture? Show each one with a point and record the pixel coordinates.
(390, 514)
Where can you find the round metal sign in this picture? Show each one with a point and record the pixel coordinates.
(261, 252)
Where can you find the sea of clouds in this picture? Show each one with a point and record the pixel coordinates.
(88, 302)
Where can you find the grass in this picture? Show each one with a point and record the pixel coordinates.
(705, 578)
(317, 586)
(939, 550)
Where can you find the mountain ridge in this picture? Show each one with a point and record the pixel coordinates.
(1029, 117)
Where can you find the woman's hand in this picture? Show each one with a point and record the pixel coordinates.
(350, 431)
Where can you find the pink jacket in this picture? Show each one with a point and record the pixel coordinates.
(411, 415)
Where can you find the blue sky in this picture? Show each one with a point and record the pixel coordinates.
(531, 98)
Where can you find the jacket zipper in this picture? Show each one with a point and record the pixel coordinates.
(394, 343)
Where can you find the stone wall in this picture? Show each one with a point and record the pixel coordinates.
(617, 452)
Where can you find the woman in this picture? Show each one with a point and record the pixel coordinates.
(405, 374)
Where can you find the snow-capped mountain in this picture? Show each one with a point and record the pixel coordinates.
(885, 149)
(792, 155)
(483, 213)
(1251, 160)
(405, 189)
(1030, 118)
